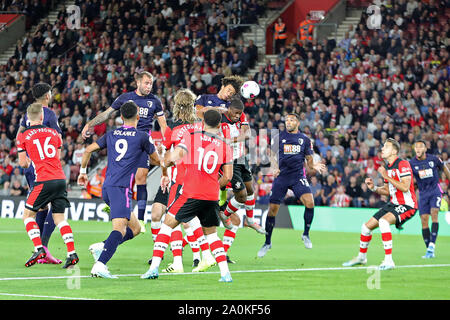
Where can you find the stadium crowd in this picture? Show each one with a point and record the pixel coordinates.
(351, 95)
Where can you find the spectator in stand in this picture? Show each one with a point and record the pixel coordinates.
(340, 198)
(17, 189)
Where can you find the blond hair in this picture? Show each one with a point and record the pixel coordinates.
(184, 108)
(34, 111)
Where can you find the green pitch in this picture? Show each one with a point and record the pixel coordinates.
(289, 271)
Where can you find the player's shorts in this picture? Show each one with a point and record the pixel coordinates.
(427, 202)
(45, 192)
(281, 185)
(241, 174)
(119, 201)
(401, 212)
(161, 197)
(144, 161)
(185, 209)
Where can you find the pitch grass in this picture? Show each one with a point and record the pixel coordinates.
(316, 278)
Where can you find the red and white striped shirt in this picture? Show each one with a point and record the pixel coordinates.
(397, 170)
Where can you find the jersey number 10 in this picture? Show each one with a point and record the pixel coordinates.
(203, 160)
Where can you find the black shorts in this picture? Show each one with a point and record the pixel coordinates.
(401, 212)
(161, 197)
(45, 192)
(184, 209)
(241, 174)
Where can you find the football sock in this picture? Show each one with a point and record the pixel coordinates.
(155, 226)
(308, 218)
(434, 232)
(249, 206)
(176, 243)
(111, 244)
(426, 236)
(270, 224)
(67, 235)
(386, 237)
(192, 243)
(232, 207)
(366, 236)
(128, 235)
(218, 251)
(195, 225)
(161, 244)
(228, 237)
(40, 219)
(49, 227)
(141, 198)
(33, 232)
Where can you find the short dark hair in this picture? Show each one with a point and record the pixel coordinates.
(394, 143)
(39, 89)
(294, 115)
(212, 118)
(236, 104)
(129, 110)
(421, 140)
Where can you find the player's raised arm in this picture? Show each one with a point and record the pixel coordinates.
(82, 177)
(99, 119)
(382, 191)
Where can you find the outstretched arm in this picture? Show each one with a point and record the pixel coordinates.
(99, 119)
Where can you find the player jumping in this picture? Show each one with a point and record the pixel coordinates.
(203, 152)
(425, 168)
(398, 184)
(149, 107)
(294, 148)
(235, 127)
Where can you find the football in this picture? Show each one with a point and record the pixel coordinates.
(250, 89)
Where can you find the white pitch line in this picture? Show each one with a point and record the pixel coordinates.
(236, 271)
(47, 297)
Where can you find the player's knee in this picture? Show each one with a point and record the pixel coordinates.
(241, 196)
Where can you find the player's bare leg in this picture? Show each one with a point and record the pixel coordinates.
(158, 210)
(270, 225)
(67, 235)
(308, 201)
(141, 197)
(365, 238)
